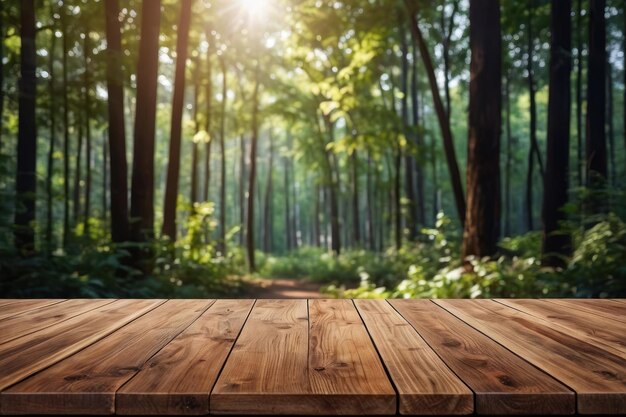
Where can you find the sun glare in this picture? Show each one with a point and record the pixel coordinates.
(256, 9)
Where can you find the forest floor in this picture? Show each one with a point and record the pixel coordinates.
(282, 288)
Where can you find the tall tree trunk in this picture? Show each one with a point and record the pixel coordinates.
(296, 208)
(78, 168)
(558, 245)
(316, 218)
(105, 177)
(222, 219)
(252, 177)
(173, 166)
(49, 238)
(287, 194)
(580, 163)
(420, 212)
(26, 181)
(444, 123)
(207, 127)
(267, 210)
(509, 157)
(356, 221)
(369, 220)
(66, 131)
(142, 195)
(242, 185)
(447, 30)
(408, 158)
(610, 127)
(596, 158)
(116, 129)
(482, 221)
(193, 195)
(88, 176)
(534, 146)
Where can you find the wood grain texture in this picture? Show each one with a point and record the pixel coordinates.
(594, 329)
(597, 376)
(28, 354)
(503, 383)
(179, 379)
(86, 382)
(280, 365)
(15, 307)
(34, 320)
(424, 383)
(614, 311)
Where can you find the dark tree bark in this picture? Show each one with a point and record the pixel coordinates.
(267, 209)
(49, 238)
(88, 151)
(610, 127)
(420, 212)
(557, 245)
(116, 130)
(105, 177)
(252, 177)
(409, 186)
(66, 131)
(596, 158)
(509, 157)
(482, 221)
(446, 32)
(369, 220)
(242, 185)
(26, 181)
(142, 196)
(78, 171)
(444, 123)
(356, 221)
(534, 146)
(580, 163)
(208, 116)
(173, 166)
(222, 218)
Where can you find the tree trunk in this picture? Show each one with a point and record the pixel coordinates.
(173, 166)
(66, 132)
(222, 219)
(557, 245)
(580, 163)
(356, 222)
(446, 31)
(509, 157)
(88, 176)
(78, 168)
(105, 177)
(2, 80)
(316, 218)
(142, 195)
(610, 127)
(444, 123)
(252, 177)
(49, 238)
(596, 158)
(26, 180)
(267, 210)
(287, 194)
(242, 186)
(116, 129)
(408, 158)
(193, 194)
(482, 221)
(207, 127)
(420, 213)
(369, 222)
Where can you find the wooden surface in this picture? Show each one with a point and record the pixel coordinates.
(313, 357)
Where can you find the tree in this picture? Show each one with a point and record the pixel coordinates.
(444, 122)
(267, 209)
(596, 154)
(66, 130)
(482, 220)
(142, 195)
(173, 167)
(252, 177)
(222, 237)
(556, 245)
(50, 163)
(26, 182)
(88, 156)
(117, 132)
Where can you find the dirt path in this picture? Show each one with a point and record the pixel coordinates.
(283, 288)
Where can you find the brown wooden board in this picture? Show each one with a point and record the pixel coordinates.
(34, 320)
(594, 329)
(613, 311)
(424, 383)
(503, 382)
(14, 308)
(597, 376)
(179, 379)
(86, 382)
(31, 353)
(282, 364)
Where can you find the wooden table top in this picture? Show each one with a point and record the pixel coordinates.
(374, 357)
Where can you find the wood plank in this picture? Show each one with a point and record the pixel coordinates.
(21, 306)
(270, 370)
(594, 329)
(86, 382)
(613, 311)
(179, 379)
(35, 320)
(266, 372)
(28, 354)
(344, 362)
(597, 376)
(424, 383)
(502, 382)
